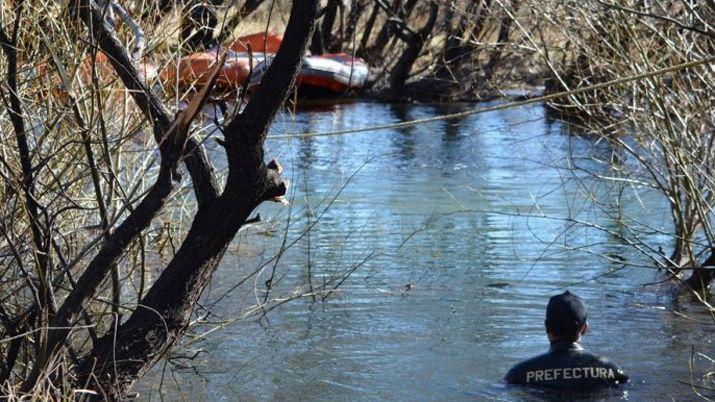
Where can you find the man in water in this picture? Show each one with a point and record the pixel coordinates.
(566, 365)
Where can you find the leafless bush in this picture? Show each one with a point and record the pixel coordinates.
(663, 125)
(93, 197)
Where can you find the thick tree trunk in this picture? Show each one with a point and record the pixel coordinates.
(356, 10)
(367, 31)
(118, 359)
(172, 140)
(502, 39)
(456, 50)
(415, 42)
(702, 277)
(116, 243)
(322, 39)
(326, 27)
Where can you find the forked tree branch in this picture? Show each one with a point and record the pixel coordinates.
(121, 357)
(206, 186)
(172, 141)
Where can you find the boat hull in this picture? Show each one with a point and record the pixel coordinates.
(194, 71)
(330, 74)
(258, 43)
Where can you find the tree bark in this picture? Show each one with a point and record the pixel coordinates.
(415, 42)
(703, 276)
(172, 140)
(367, 31)
(456, 51)
(202, 173)
(326, 27)
(503, 37)
(118, 359)
(356, 10)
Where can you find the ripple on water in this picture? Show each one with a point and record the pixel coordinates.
(474, 216)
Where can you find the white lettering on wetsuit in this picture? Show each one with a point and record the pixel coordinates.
(569, 373)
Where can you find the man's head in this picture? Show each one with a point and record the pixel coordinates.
(566, 317)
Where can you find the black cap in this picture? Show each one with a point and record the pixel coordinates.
(565, 313)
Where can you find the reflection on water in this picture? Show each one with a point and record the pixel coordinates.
(454, 209)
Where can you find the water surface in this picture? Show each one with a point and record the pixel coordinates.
(456, 261)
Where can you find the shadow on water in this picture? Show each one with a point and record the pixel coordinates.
(471, 224)
(405, 142)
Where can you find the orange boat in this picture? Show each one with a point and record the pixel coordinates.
(335, 72)
(259, 43)
(328, 74)
(193, 70)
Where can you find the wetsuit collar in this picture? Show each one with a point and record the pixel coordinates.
(560, 346)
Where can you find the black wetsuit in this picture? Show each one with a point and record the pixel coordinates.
(567, 366)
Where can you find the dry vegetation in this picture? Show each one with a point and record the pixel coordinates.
(94, 198)
(78, 149)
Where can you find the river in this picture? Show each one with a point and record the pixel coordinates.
(458, 232)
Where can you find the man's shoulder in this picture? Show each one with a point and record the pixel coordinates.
(599, 360)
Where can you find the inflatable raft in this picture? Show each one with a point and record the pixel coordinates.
(329, 74)
(326, 74)
(193, 70)
(259, 43)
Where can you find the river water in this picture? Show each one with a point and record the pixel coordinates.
(456, 233)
